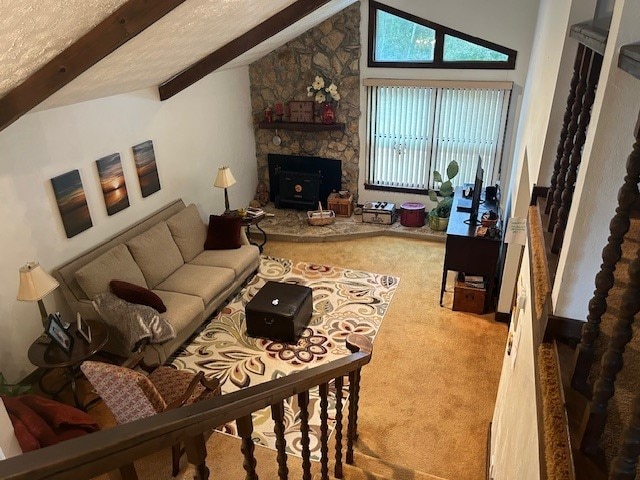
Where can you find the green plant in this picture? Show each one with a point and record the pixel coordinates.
(443, 207)
(11, 390)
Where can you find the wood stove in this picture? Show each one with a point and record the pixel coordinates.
(299, 182)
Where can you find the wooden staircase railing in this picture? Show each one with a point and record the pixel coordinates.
(119, 447)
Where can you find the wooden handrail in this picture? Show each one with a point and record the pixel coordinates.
(107, 450)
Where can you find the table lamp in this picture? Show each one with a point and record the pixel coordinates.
(35, 284)
(224, 179)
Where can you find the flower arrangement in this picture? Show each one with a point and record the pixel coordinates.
(320, 93)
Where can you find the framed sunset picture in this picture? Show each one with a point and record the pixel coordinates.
(72, 203)
(114, 187)
(145, 159)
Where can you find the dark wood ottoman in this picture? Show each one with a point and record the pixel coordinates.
(279, 311)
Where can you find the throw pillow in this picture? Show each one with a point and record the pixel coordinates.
(223, 233)
(136, 294)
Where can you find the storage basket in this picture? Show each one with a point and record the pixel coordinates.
(321, 217)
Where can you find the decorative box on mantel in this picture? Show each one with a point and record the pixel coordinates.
(341, 205)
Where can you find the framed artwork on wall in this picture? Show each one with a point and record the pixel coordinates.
(145, 159)
(112, 182)
(72, 203)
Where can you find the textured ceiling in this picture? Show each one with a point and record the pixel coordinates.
(32, 31)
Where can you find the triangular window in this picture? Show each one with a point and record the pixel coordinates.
(399, 39)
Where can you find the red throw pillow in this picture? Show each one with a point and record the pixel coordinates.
(132, 293)
(60, 416)
(223, 233)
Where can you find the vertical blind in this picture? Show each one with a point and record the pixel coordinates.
(413, 130)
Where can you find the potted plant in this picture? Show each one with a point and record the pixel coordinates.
(439, 215)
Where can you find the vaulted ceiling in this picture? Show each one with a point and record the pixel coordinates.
(62, 52)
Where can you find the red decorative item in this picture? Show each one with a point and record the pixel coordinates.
(268, 115)
(328, 114)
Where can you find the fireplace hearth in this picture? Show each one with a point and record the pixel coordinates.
(300, 182)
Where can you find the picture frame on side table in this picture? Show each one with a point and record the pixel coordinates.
(84, 329)
(59, 335)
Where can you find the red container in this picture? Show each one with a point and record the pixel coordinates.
(412, 214)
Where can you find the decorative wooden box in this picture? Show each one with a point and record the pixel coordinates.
(343, 206)
(468, 299)
(301, 111)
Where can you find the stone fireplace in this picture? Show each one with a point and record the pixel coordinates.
(332, 50)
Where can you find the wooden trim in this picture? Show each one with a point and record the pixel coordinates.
(503, 317)
(106, 450)
(590, 36)
(563, 329)
(238, 46)
(538, 192)
(114, 31)
(440, 32)
(426, 83)
(384, 188)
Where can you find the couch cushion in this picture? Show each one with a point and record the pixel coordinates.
(204, 281)
(181, 308)
(116, 263)
(135, 294)
(223, 233)
(239, 259)
(156, 254)
(188, 231)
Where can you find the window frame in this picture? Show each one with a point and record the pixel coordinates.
(438, 51)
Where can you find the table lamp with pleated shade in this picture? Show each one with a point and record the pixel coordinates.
(35, 284)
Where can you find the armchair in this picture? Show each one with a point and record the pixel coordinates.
(131, 395)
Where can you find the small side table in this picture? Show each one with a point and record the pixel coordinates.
(247, 222)
(50, 356)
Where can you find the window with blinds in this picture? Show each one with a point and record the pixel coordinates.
(415, 129)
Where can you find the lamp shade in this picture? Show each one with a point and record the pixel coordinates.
(35, 283)
(224, 178)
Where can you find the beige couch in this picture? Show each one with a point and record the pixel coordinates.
(165, 253)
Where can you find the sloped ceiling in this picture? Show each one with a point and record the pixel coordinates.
(35, 32)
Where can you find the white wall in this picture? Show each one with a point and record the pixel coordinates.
(507, 23)
(609, 141)
(204, 127)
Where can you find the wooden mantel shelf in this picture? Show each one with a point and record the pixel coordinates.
(303, 127)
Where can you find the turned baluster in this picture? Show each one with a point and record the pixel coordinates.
(277, 414)
(338, 468)
(569, 142)
(324, 431)
(576, 154)
(352, 427)
(611, 254)
(303, 403)
(196, 450)
(612, 362)
(625, 465)
(565, 126)
(245, 429)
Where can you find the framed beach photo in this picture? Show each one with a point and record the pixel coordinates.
(59, 335)
(145, 159)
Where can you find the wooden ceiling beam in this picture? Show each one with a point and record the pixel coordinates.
(126, 22)
(238, 46)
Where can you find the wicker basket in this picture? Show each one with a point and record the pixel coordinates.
(321, 217)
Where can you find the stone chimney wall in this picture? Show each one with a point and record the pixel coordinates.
(331, 50)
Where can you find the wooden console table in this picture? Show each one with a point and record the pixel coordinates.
(470, 254)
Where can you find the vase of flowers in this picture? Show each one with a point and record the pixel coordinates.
(325, 97)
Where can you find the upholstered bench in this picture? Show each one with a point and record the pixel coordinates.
(279, 311)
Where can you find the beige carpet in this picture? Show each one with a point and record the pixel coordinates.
(428, 395)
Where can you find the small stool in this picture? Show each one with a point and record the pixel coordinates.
(412, 215)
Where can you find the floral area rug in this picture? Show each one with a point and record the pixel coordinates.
(344, 302)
